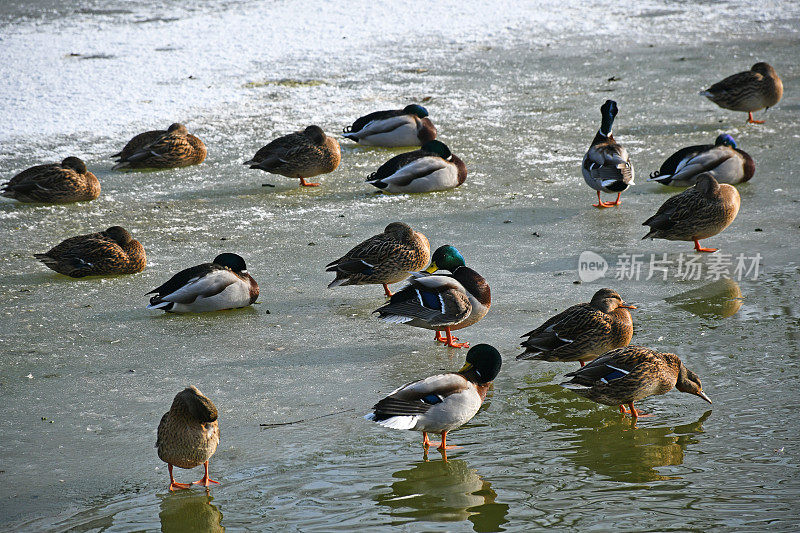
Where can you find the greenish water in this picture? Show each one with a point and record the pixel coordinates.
(87, 371)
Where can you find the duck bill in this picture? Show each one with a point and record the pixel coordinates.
(431, 269)
(467, 366)
(703, 396)
(627, 306)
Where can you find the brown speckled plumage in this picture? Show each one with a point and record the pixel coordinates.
(66, 182)
(113, 251)
(303, 154)
(758, 88)
(188, 434)
(583, 332)
(175, 148)
(138, 142)
(699, 212)
(384, 258)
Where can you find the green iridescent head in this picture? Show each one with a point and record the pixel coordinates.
(446, 258)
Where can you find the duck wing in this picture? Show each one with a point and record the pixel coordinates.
(417, 397)
(186, 286)
(359, 124)
(434, 300)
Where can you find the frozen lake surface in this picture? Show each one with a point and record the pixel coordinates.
(514, 88)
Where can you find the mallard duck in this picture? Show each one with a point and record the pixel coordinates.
(758, 88)
(109, 252)
(583, 332)
(385, 258)
(626, 375)
(303, 154)
(188, 435)
(697, 213)
(722, 160)
(140, 141)
(441, 302)
(431, 168)
(398, 127)
(443, 402)
(606, 166)
(175, 148)
(222, 284)
(54, 183)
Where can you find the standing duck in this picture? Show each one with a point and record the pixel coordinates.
(173, 149)
(606, 166)
(626, 375)
(442, 402)
(188, 435)
(398, 127)
(757, 88)
(583, 332)
(697, 213)
(222, 284)
(67, 182)
(109, 252)
(383, 259)
(303, 154)
(441, 302)
(722, 160)
(431, 168)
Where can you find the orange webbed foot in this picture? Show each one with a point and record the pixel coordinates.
(305, 183)
(175, 485)
(206, 481)
(699, 248)
(751, 120)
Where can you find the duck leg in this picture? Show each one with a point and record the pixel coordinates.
(441, 446)
(618, 201)
(600, 203)
(450, 340)
(701, 249)
(440, 338)
(751, 120)
(174, 484)
(305, 183)
(387, 291)
(583, 365)
(206, 481)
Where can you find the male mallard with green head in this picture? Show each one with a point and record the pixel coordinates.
(303, 154)
(757, 88)
(722, 160)
(583, 332)
(383, 259)
(606, 166)
(397, 127)
(110, 252)
(175, 148)
(699, 212)
(441, 403)
(627, 375)
(441, 302)
(188, 435)
(431, 168)
(67, 182)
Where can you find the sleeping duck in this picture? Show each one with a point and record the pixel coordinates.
(582, 332)
(188, 435)
(442, 302)
(110, 252)
(757, 88)
(398, 127)
(66, 182)
(443, 402)
(222, 284)
(626, 375)
(431, 168)
(383, 259)
(302, 154)
(699, 212)
(722, 160)
(606, 166)
(175, 148)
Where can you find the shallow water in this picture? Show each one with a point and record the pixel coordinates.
(87, 372)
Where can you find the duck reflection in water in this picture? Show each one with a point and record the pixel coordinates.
(189, 512)
(444, 491)
(720, 299)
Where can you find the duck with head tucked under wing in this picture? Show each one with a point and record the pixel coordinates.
(110, 252)
(627, 375)
(722, 160)
(53, 183)
(757, 88)
(175, 148)
(606, 166)
(441, 302)
(397, 127)
(699, 212)
(443, 402)
(431, 168)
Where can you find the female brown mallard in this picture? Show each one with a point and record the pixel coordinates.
(383, 259)
(758, 88)
(626, 375)
(697, 213)
(113, 251)
(583, 332)
(172, 149)
(188, 435)
(303, 154)
(54, 183)
(441, 302)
